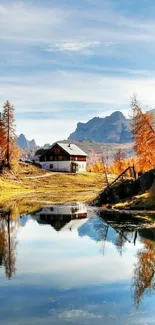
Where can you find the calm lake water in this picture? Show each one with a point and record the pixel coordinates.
(74, 265)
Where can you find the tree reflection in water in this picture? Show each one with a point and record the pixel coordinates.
(144, 270)
(8, 243)
(128, 230)
(143, 280)
(120, 241)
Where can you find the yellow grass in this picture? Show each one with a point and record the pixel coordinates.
(29, 188)
(48, 187)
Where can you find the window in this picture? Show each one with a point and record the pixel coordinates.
(51, 166)
(57, 150)
(51, 158)
(59, 157)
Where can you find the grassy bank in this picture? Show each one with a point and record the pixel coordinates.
(144, 201)
(51, 187)
(29, 187)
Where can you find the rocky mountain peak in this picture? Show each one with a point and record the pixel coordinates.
(23, 143)
(113, 128)
(117, 116)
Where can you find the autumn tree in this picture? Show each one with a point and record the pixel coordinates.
(142, 125)
(119, 163)
(2, 140)
(118, 160)
(8, 128)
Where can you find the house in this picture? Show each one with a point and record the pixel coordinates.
(63, 157)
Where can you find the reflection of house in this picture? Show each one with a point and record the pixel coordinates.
(58, 216)
(62, 157)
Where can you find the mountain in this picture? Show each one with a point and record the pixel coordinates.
(98, 148)
(95, 229)
(111, 129)
(23, 143)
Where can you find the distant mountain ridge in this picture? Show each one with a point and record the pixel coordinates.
(23, 143)
(107, 149)
(111, 129)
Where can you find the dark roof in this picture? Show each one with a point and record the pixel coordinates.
(40, 152)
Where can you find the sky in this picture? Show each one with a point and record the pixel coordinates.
(66, 61)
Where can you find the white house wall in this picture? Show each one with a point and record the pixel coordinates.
(64, 166)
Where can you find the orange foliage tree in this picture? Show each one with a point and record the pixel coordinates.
(9, 151)
(96, 163)
(119, 161)
(9, 127)
(2, 141)
(142, 125)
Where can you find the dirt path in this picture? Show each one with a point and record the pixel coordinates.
(40, 176)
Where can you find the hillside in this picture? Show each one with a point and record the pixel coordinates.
(111, 129)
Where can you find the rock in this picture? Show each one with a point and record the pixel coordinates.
(146, 180)
(126, 189)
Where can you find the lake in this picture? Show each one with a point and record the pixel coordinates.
(73, 264)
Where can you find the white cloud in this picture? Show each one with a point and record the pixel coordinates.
(78, 314)
(72, 46)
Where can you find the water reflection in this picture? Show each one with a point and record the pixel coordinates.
(8, 243)
(144, 270)
(61, 248)
(97, 228)
(60, 216)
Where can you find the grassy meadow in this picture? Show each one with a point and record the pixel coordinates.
(26, 188)
(32, 184)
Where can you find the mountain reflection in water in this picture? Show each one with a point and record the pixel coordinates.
(74, 250)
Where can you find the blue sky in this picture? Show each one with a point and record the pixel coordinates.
(65, 61)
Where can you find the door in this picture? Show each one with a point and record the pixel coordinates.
(74, 167)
